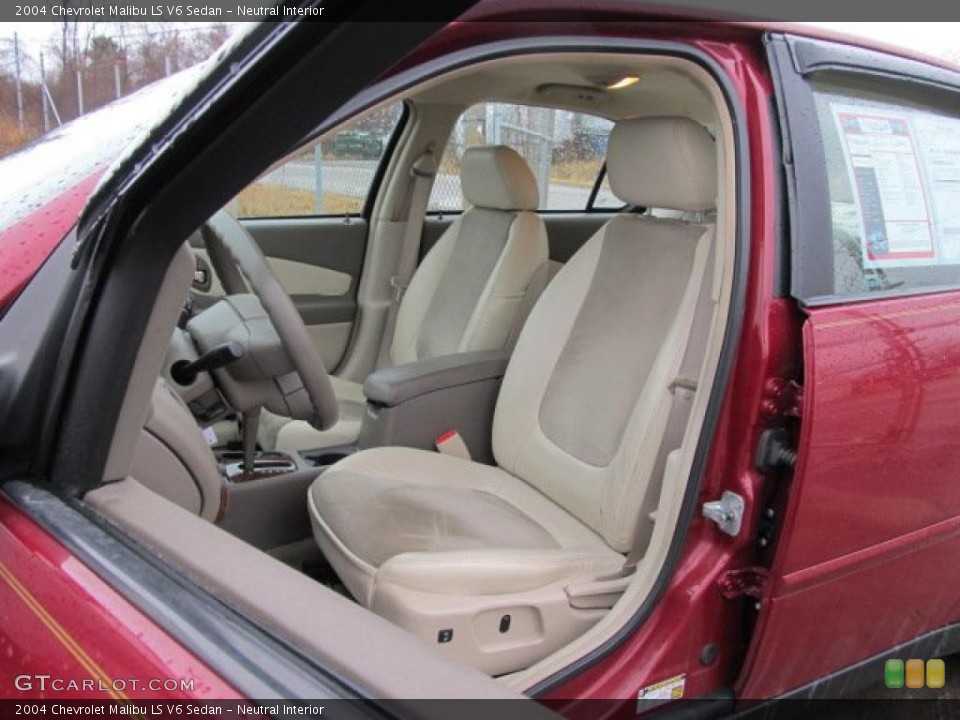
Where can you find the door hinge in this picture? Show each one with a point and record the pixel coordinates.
(727, 513)
(747, 582)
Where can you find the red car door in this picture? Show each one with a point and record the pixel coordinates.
(866, 554)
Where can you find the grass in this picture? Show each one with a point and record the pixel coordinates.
(576, 172)
(278, 201)
(11, 138)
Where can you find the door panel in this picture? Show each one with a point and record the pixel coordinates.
(874, 509)
(318, 261)
(335, 243)
(298, 278)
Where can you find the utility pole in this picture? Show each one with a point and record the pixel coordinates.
(79, 92)
(43, 96)
(48, 98)
(16, 55)
(116, 78)
(166, 65)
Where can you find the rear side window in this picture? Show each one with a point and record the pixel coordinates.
(893, 171)
(332, 177)
(565, 150)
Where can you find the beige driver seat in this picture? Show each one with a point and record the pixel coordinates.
(482, 561)
(468, 293)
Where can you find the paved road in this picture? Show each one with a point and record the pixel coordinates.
(353, 177)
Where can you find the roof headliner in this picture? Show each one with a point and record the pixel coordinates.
(662, 90)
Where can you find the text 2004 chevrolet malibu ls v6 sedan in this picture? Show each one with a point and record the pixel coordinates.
(627, 370)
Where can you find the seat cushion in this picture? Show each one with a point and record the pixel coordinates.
(440, 524)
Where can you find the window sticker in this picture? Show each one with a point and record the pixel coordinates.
(940, 149)
(904, 168)
(884, 170)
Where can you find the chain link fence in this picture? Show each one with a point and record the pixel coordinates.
(333, 177)
(565, 151)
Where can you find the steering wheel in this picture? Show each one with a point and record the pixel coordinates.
(280, 368)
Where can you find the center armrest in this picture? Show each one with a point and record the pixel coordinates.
(389, 387)
(412, 405)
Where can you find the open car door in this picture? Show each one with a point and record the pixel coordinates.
(871, 514)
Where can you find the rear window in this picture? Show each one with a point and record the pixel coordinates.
(565, 150)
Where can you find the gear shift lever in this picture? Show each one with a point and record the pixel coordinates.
(251, 424)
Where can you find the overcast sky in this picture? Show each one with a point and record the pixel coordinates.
(933, 38)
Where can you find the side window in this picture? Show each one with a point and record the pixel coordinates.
(333, 177)
(605, 200)
(893, 169)
(565, 150)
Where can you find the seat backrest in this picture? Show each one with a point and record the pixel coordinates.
(586, 396)
(468, 293)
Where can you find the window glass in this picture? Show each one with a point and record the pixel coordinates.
(605, 199)
(332, 177)
(565, 150)
(893, 172)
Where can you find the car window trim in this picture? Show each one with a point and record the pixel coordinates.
(244, 654)
(373, 192)
(795, 63)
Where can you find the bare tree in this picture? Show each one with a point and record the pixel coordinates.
(95, 56)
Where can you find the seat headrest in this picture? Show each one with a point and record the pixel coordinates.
(663, 162)
(496, 177)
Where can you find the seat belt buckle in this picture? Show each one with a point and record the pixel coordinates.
(399, 286)
(451, 443)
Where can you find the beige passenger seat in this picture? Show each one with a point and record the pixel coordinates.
(479, 560)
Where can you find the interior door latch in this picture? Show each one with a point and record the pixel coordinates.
(727, 513)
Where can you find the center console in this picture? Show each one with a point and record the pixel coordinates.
(266, 464)
(267, 507)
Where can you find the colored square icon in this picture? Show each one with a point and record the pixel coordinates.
(915, 673)
(893, 673)
(936, 674)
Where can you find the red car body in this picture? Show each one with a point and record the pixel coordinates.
(867, 524)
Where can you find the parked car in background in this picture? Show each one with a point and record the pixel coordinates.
(620, 363)
(356, 144)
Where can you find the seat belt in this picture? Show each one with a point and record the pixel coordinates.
(423, 170)
(683, 391)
